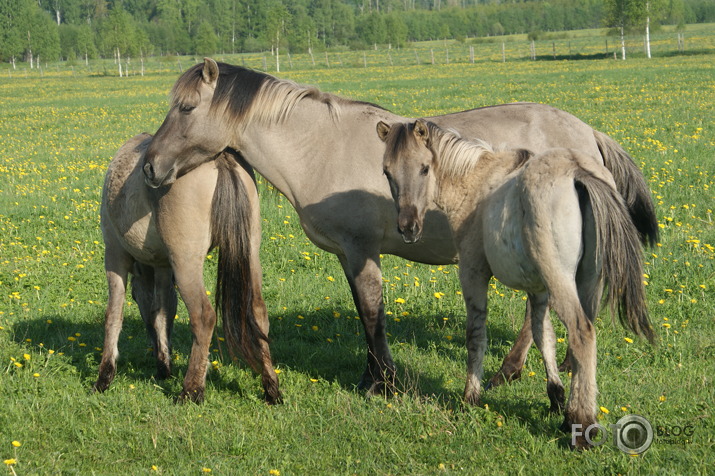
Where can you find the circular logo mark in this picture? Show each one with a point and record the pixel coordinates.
(634, 435)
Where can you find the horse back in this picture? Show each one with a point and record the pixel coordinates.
(530, 126)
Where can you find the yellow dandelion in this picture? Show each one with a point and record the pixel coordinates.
(400, 301)
(26, 356)
(531, 374)
(274, 472)
(662, 398)
(10, 461)
(604, 410)
(16, 444)
(628, 339)
(206, 470)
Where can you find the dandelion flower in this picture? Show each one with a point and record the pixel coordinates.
(274, 472)
(604, 410)
(16, 444)
(628, 339)
(10, 461)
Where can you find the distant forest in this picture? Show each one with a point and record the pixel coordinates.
(73, 29)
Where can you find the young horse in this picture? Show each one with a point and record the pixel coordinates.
(161, 236)
(322, 153)
(552, 225)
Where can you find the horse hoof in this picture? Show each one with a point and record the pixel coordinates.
(556, 397)
(502, 377)
(580, 443)
(273, 398)
(194, 396)
(99, 387)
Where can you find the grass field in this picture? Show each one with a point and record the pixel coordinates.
(59, 130)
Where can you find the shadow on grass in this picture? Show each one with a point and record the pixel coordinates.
(316, 344)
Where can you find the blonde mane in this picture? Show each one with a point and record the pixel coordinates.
(278, 97)
(247, 96)
(455, 156)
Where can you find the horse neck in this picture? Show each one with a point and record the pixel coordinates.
(311, 154)
(460, 195)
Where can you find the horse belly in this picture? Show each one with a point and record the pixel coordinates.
(142, 241)
(505, 248)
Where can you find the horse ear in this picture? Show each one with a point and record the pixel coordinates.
(421, 131)
(210, 71)
(383, 129)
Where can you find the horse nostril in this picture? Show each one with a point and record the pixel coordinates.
(149, 171)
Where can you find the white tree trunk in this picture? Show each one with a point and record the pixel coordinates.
(623, 45)
(647, 31)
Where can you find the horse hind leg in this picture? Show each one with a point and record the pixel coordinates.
(581, 406)
(514, 361)
(117, 270)
(546, 343)
(153, 290)
(589, 279)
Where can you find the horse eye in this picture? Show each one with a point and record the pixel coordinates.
(186, 108)
(424, 170)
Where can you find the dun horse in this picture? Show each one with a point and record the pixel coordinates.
(322, 153)
(161, 236)
(552, 225)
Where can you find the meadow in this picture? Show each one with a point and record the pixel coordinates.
(59, 129)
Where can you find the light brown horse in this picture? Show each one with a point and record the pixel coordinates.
(161, 236)
(322, 153)
(552, 225)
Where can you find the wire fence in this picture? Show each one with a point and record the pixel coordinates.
(699, 39)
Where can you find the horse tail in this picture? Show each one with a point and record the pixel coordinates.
(618, 250)
(631, 185)
(230, 231)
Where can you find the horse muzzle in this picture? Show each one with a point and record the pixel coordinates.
(153, 180)
(409, 225)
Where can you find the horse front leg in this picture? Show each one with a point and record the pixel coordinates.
(546, 342)
(365, 278)
(514, 361)
(117, 270)
(474, 290)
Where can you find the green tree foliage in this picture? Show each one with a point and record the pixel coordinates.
(79, 28)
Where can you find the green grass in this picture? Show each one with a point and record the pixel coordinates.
(58, 131)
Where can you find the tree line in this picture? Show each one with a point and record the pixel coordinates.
(31, 30)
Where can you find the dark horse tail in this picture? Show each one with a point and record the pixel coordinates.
(619, 248)
(631, 185)
(230, 232)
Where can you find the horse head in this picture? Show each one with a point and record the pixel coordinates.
(192, 132)
(408, 165)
